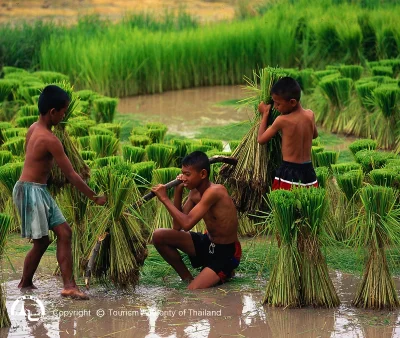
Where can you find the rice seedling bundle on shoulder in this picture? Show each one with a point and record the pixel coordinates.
(377, 228)
(253, 175)
(316, 286)
(162, 154)
(5, 221)
(284, 287)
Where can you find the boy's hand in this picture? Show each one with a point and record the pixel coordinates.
(160, 191)
(264, 108)
(180, 177)
(100, 200)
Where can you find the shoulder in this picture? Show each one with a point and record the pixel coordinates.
(217, 190)
(308, 112)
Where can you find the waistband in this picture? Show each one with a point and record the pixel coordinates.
(297, 165)
(32, 184)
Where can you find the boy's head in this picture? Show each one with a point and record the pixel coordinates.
(53, 101)
(195, 169)
(286, 94)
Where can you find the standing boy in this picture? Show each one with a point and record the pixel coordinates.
(298, 129)
(218, 251)
(38, 210)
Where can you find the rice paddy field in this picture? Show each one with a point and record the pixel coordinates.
(147, 90)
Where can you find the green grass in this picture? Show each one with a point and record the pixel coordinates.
(234, 131)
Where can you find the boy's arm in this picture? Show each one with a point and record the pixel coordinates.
(189, 204)
(186, 222)
(264, 133)
(315, 133)
(57, 150)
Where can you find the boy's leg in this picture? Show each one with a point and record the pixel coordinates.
(32, 261)
(205, 279)
(64, 258)
(167, 241)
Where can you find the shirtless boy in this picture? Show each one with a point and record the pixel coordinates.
(298, 129)
(218, 251)
(38, 210)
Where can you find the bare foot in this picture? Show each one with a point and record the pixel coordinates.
(26, 286)
(74, 293)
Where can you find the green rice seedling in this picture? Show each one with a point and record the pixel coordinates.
(306, 80)
(133, 154)
(26, 92)
(162, 154)
(387, 98)
(26, 121)
(316, 142)
(382, 71)
(156, 135)
(100, 131)
(365, 93)
(50, 77)
(194, 146)
(320, 74)
(9, 174)
(326, 158)
(393, 162)
(385, 177)
(316, 286)
(377, 227)
(114, 127)
(371, 159)
(84, 142)
(10, 133)
(139, 131)
(345, 167)
(107, 161)
(369, 39)
(394, 63)
(88, 155)
(86, 95)
(350, 182)
(29, 110)
(314, 151)
(5, 157)
(79, 128)
(181, 150)
(104, 109)
(351, 71)
(8, 89)
(234, 144)
(247, 227)
(156, 125)
(5, 221)
(143, 172)
(104, 145)
(10, 69)
(216, 144)
(140, 140)
(284, 288)
(15, 145)
(362, 144)
(123, 252)
(389, 42)
(322, 176)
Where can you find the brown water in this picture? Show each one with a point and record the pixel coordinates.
(185, 111)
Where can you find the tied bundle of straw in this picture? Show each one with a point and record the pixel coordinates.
(316, 286)
(57, 179)
(283, 288)
(5, 221)
(252, 177)
(377, 226)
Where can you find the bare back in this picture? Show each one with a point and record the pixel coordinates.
(298, 130)
(38, 159)
(221, 219)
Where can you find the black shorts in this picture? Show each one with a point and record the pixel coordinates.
(221, 258)
(295, 174)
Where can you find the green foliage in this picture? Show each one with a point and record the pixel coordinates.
(162, 154)
(140, 140)
(326, 158)
(370, 159)
(8, 88)
(104, 109)
(344, 167)
(350, 182)
(9, 175)
(133, 154)
(351, 71)
(322, 176)
(104, 145)
(50, 77)
(382, 71)
(15, 145)
(26, 121)
(384, 177)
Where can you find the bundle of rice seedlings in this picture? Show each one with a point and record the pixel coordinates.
(4, 226)
(387, 99)
(10, 133)
(385, 177)
(106, 161)
(143, 172)
(133, 154)
(3, 127)
(382, 70)
(26, 92)
(365, 93)
(114, 127)
(326, 158)
(253, 175)
(100, 131)
(8, 89)
(345, 167)
(351, 71)
(247, 226)
(15, 145)
(104, 145)
(371, 159)
(139, 131)
(79, 127)
(88, 155)
(162, 154)
(86, 94)
(140, 140)
(181, 150)
(216, 144)
(283, 288)
(358, 145)
(26, 121)
(322, 176)
(29, 110)
(316, 286)
(377, 227)
(306, 80)
(350, 182)
(104, 109)
(320, 74)
(161, 216)
(123, 252)
(84, 142)
(50, 77)
(196, 146)
(314, 151)
(9, 175)
(57, 178)
(5, 157)
(316, 142)
(233, 145)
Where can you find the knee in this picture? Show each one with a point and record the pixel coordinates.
(193, 286)
(158, 237)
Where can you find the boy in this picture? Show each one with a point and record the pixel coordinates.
(39, 212)
(218, 251)
(298, 130)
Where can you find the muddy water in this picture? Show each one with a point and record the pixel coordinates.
(185, 111)
(227, 311)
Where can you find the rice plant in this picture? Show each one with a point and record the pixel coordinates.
(143, 172)
(162, 154)
(384, 177)
(326, 158)
(84, 142)
(107, 161)
(104, 109)
(351, 71)
(15, 145)
(88, 155)
(3, 127)
(233, 145)
(9, 175)
(371, 159)
(387, 99)
(50, 77)
(358, 145)
(104, 145)
(8, 89)
(26, 121)
(114, 127)
(382, 71)
(345, 167)
(5, 157)
(314, 151)
(79, 128)
(377, 227)
(10, 133)
(350, 182)
(365, 93)
(4, 226)
(181, 150)
(216, 144)
(140, 140)
(100, 131)
(322, 176)
(133, 154)
(29, 110)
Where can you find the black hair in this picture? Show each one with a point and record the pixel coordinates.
(287, 88)
(198, 160)
(52, 97)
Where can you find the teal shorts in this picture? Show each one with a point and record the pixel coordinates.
(39, 212)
